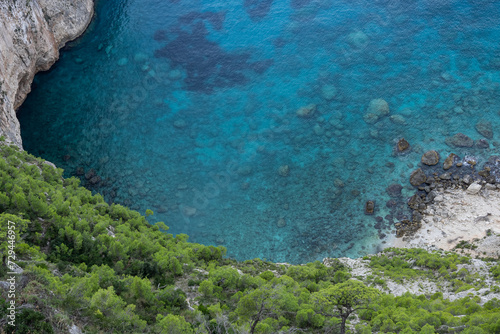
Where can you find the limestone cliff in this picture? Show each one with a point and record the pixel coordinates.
(31, 34)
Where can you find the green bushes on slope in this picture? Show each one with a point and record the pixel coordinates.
(105, 268)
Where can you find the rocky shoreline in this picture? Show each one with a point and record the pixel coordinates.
(32, 34)
(456, 203)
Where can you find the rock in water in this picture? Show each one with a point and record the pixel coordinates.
(459, 140)
(284, 170)
(482, 143)
(328, 92)
(448, 162)
(376, 109)
(357, 39)
(485, 129)
(180, 124)
(430, 158)
(394, 190)
(306, 111)
(370, 118)
(417, 177)
(122, 61)
(474, 188)
(398, 119)
(403, 145)
(369, 207)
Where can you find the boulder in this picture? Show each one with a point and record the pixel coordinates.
(338, 183)
(369, 207)
(448, 162)
(370, 118)
(328, 92)
(485, 128)
(244, 170)
(398, 119)
(357, 39)
(402, 145)
(284, 170)
(473, 189)
(394, 190)
(459, 140)
(482, 143)
(439, 198)
(467, 179)
(417, 177)
(180, 124)
(188, 211)
(415, 201)
(430, 158)
(306, 111)
(377, 108)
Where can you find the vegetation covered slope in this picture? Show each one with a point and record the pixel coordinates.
(105, 269)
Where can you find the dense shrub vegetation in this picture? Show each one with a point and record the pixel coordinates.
(106, 269)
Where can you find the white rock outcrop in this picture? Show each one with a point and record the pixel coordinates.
(31, 34)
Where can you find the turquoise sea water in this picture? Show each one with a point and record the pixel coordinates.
(188, 108)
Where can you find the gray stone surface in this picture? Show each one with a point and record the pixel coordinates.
(31, 34)
(474, 188)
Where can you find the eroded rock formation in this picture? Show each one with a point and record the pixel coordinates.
(31, 34)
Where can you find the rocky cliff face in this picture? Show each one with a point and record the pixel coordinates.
(31, 34)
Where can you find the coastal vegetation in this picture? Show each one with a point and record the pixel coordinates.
(105, 269)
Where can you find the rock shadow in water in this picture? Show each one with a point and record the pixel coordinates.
(257, 9)
(207, 65)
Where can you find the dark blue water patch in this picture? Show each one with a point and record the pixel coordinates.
(207, 65)
(257, 9)
(215, 19)
(297, 4)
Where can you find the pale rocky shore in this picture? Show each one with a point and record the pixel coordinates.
(460, 216)
(457, 215)
(31, 34)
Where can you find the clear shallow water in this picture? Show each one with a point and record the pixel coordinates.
(188, 108)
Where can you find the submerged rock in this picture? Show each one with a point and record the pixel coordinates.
(306, 111)
(357, 39)
(122, 61)
(398, 119)
(370, 118)
(430, 158)
(376, 109)
(180, 124)
(328, 92)
(459, 140)
(402, 145)
(338, 183)
(140, 57)
(188, 211)
(90, 174)
(485, 129)
(394, 190)
(417, 177)
(244, 170)
(284, 170)
(482, 143)
(448, 162)
(369, 207)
